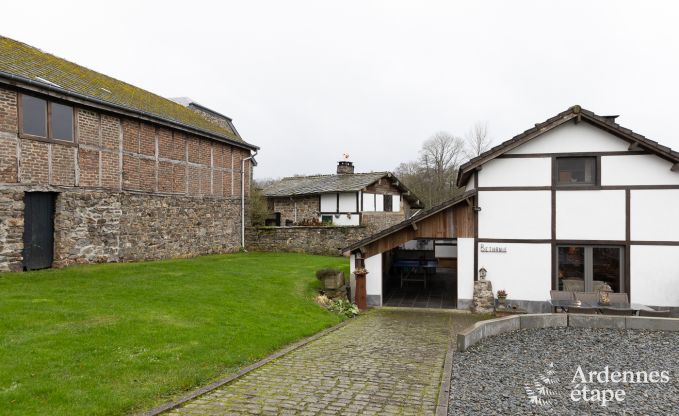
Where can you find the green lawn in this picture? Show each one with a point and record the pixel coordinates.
(120, 338)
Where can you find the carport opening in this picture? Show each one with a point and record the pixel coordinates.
(421, 273)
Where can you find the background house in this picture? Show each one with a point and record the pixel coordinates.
(376, 200)
(570, 204)
(96, 170)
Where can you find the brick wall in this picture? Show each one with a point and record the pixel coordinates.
(120, 154)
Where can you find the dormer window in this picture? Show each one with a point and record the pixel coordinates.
(576, 171)
(45, 119)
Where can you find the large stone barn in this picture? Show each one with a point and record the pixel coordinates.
(93, 169)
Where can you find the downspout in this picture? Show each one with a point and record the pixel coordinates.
(242, 199)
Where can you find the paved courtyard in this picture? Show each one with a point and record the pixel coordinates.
(386, 362)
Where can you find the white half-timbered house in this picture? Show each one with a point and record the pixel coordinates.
(570, 204)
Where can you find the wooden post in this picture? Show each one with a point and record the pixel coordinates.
(361, 295)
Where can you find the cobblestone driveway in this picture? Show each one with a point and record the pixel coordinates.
(387, 362)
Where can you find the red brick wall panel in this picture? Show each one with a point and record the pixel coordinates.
(165, 177)
(205, 152)
(165, 143)
(217, 183)
(9, 121)
(34, 162)
(194, 149)
(205, 181)
(179, 146)
(110, 170)
(130, 172)
(110, 132)
(63, 165)
(194, 180)
(8, 161)
(130, 136)
(226, 184)
(147, 175)
(147, 139)
(88, 127)
(88, 162)
(179, 178)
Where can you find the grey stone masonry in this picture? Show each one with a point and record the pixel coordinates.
(483, 301)
(325, 240)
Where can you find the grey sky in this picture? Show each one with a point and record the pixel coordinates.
(309, 80)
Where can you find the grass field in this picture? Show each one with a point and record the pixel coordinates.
(120, 338)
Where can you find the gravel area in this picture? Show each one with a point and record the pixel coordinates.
(531, 372)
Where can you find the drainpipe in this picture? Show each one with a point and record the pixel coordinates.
(242, 199)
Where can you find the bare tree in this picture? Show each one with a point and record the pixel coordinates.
(439, 158)
(477, 139)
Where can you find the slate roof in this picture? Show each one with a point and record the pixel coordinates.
(20, 62)
(318, 184)
(603, 122)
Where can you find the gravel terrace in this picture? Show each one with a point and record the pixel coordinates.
(531, 372)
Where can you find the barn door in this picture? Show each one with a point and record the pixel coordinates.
(38, 230)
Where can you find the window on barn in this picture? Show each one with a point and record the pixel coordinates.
(574, 171)
(49, 120)
(388, 203)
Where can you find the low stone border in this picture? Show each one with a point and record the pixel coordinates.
(219, 383)
(484, 329)
(444, 390)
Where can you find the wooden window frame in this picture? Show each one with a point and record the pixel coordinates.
(596, 173)
(48, 138)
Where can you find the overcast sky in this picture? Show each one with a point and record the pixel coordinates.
(309, 80)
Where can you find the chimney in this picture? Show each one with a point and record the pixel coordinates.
(345, 167)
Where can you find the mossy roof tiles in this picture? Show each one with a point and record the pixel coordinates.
(24, 61)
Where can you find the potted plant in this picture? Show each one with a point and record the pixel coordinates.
(502, 297)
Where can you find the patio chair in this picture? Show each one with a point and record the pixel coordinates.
(618, 311)
(584, 311)
(560, 295)
(618, 298)
(587, 297)
(657, 314)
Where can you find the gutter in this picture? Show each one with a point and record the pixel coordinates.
(242, 199)
(108, 104)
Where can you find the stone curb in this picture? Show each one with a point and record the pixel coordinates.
(447, 374)
(221, 382)
(484, 329)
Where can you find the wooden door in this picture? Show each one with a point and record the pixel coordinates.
(38, 230)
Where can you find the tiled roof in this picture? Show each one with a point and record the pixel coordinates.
(605, 123)
(309, 185)
(26, 63)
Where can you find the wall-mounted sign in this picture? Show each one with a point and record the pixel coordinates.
(492, 249)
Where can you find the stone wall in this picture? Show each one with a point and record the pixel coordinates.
(313, 240)
(306, 207)
(101, 227)
(11, 230)
(378, 221)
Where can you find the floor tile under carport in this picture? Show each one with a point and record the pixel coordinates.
(441, 292)
(385, 362)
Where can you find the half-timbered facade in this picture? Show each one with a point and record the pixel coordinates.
(572, 204)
